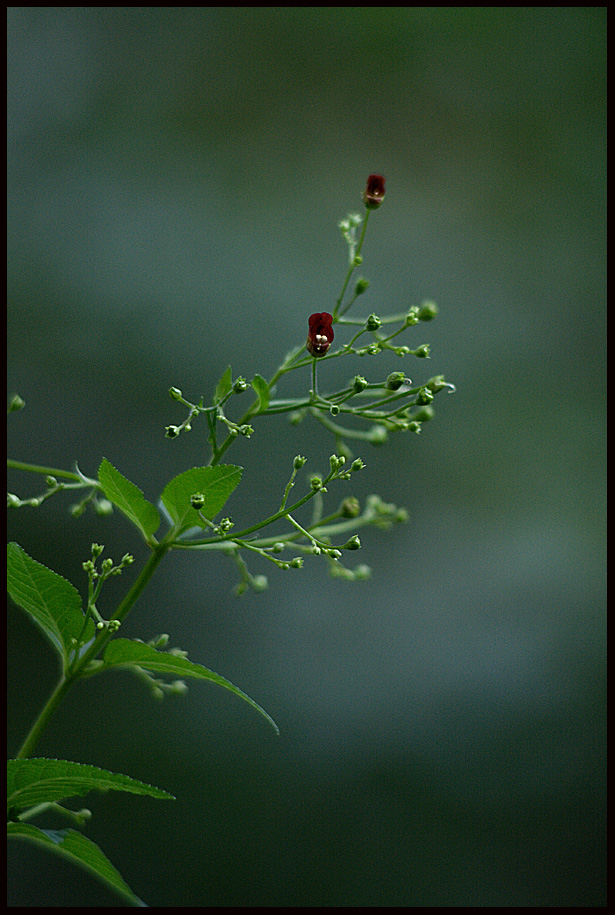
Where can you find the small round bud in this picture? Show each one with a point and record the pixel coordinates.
(412, 317)
(334, 409)
(361, 286)
(395, 381)
(336, 461)
(334, 554)
(362, 573)
(277, 547)
(424, 414)
(316, 483)
(350, 507)
(373, 322)
(428, 311)
(357, 464)
(107, 565)
(359, 383)
(377, 435)
(240, 386)
(97, 550)
(103, 507)
(12, 501)
(296, 563)
(175, 393)
(197, 500)
(171, 431)
(422, 351)
(15, 403)
(424, 396)
(51, 481)
(357, 260)
(299, 461)
(353, 544)
(100, 625)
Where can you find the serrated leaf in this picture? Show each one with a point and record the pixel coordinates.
(80, 850)
(224, 386)
(126, 652)
(262, 389)
(215, 483)
(128, 498)
(49, 599)
(38, 781)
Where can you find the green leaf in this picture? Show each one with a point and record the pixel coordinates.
(126, 653)
(215, 483)
(77, 848)
(262, 389)
(224, 386)
(50, 600)
(128, 498)
(38, 781)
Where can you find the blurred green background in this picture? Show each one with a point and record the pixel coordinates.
(175, 179)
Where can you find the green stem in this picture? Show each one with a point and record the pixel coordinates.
(75, 671)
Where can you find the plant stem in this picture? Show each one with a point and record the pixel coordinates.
(95, 648)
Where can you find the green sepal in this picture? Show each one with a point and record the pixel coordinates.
(128, 652)
(128, 498)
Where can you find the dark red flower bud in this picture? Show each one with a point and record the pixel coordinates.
(373, 195)
(320, 333)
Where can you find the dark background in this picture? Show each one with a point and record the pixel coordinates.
(175, 179)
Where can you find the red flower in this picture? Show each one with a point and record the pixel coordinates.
(320, 333)
(373, 195)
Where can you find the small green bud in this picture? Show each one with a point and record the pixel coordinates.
(277, 547)
(15, 403)
(88, 566)
(353, 544)
(377, 435)
(103, 507)
(295, 417)
(424, 396)
(362, 573)
(246, 430)
(428, 311)
(107, 565)
(412, 317)
(240, 386)
(225, 525)
(336, 461)
(401, 515)
(350, 507)
(171, 431)
(361, 286)
(422, 351)
(197, 500)
(51, 481)
(357, 261)
(100, 625)
(316, 483)
(373, 322)
(357, 464)
(296, 563)
(424, 414)
(113, 625)
(316, 551)
(359, 383)
(299, 462)
(97, 550)
(334, 554)
(127, 559)
(160, 641)
(413, 426)
(334, 409)
(12, 501)
(175, 393)
(395, 381)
